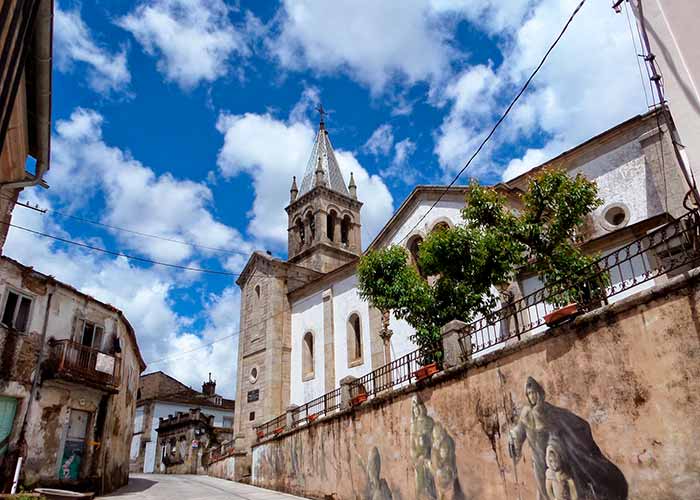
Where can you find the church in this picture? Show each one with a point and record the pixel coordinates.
(303, 324)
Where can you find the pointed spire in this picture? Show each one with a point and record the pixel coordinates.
(319, 173)
(294, 190)
(352, 187)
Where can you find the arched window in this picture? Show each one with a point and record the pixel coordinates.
(330, 224)
(307, 361)
(300, 232)
(345, 230)
(354, 340)
(312, 226)
(413, 249)
(440, 226)
(257, 290)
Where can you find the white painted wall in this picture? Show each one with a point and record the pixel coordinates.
(307, 316)
(347, 301)
(162, 410)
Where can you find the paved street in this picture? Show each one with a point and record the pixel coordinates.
(169, 487)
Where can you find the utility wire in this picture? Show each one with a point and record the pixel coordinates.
(637, 53)
(121, 254)
(124, 229)
(500, 120)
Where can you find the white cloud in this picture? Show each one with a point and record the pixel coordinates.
(193, 39)
(271, 151)
(381, 140)
(134, 196)
(374, 42)
(106, 72)
(588, 84)
(403, 151)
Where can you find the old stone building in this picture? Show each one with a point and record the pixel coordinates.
(69, 372)
(162, 397)
(304, 327)
(25, 101)
(185, 440)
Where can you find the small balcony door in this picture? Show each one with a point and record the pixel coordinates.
(74, 446)
(91, 334)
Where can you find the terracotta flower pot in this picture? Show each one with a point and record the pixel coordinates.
(313, 417)
(359, 399)
(261, 434)
(426, 371)
(561, 315)
(278, 431)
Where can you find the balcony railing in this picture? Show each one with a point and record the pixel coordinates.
(670, 249)
(78, 362)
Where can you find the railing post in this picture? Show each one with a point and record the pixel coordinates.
(345, 391)
(454, 350)
(289, 423)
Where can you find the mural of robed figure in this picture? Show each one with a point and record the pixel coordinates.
(594, 476)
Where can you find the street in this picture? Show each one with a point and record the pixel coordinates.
(185, 487)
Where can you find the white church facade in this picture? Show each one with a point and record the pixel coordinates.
(304, 326)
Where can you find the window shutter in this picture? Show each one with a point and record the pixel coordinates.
(99, 335)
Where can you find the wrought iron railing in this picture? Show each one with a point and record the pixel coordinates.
(670, 248)
(274, 426)
(85, 363)
(666, 249)
(316, 408)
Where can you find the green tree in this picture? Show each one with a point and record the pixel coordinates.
(465, 262)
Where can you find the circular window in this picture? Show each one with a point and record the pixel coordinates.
(253, 374)
(615, 216)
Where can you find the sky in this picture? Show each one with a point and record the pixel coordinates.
(186, 119)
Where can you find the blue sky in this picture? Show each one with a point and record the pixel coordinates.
(187, 118)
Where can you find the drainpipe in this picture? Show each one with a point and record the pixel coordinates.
(37, 369)
(42, 118)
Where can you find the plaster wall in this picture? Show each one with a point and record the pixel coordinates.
(614, 395)
(307, 316)
(347, 301)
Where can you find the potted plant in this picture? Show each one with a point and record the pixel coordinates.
(278, 431)
(312, 417)
(360, 397)
(261, 434)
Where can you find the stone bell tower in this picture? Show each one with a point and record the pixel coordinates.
(324, 213)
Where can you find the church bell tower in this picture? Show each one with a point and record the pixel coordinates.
(324, 230)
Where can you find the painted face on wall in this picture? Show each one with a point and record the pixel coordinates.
(553, 459)
(532, 396)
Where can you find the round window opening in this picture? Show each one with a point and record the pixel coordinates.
(616, 216)
(253, 375)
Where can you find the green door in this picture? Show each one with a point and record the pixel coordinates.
(8, 407)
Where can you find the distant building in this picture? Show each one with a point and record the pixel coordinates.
(25, 100)
(69, 374)
(304, 326)
(163, 397)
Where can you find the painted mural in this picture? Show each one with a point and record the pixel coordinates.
(567, 462)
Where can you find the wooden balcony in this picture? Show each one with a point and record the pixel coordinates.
(75, 362)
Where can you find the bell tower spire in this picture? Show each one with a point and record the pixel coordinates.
(324, 213)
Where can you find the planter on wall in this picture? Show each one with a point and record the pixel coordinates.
(261, 434)
(313, 417)
(278, 431)
(561, 315)
(426, 371)
(359, 399)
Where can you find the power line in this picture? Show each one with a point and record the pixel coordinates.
(124, 229)
(636, 54)
(121, 254)
(500, 120)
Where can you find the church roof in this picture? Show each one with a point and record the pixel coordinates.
(323, 157)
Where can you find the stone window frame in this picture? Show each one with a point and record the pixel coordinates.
(440, 221)
(409, 242)
(252, 378)
(308, 359)
(21, 294)
(331, 222)
(352, 337)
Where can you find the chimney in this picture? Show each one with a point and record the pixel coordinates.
(209, 388)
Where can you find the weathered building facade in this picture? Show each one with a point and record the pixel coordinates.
(163, 397)
(304, 327)
(69, 372)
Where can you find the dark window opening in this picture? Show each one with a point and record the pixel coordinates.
(345, 230)
(251, 416)
(330, 224)
(16, 313)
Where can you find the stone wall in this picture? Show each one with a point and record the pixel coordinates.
(607, 405)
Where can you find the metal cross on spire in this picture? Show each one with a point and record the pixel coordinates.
(322, 113)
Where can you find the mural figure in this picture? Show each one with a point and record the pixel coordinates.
(560, 485)
(434, 460)
(594, 476)
(378, 487)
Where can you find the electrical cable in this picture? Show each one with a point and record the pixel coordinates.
(500, 120)
(122, 254)
(636, 54)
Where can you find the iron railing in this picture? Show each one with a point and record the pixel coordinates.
(89, 365)
(274, 426)
(666, 249)
(316, 408)
(670, 248)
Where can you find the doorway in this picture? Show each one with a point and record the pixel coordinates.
(74, 446)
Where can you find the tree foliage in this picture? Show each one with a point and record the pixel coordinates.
(465, 263)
